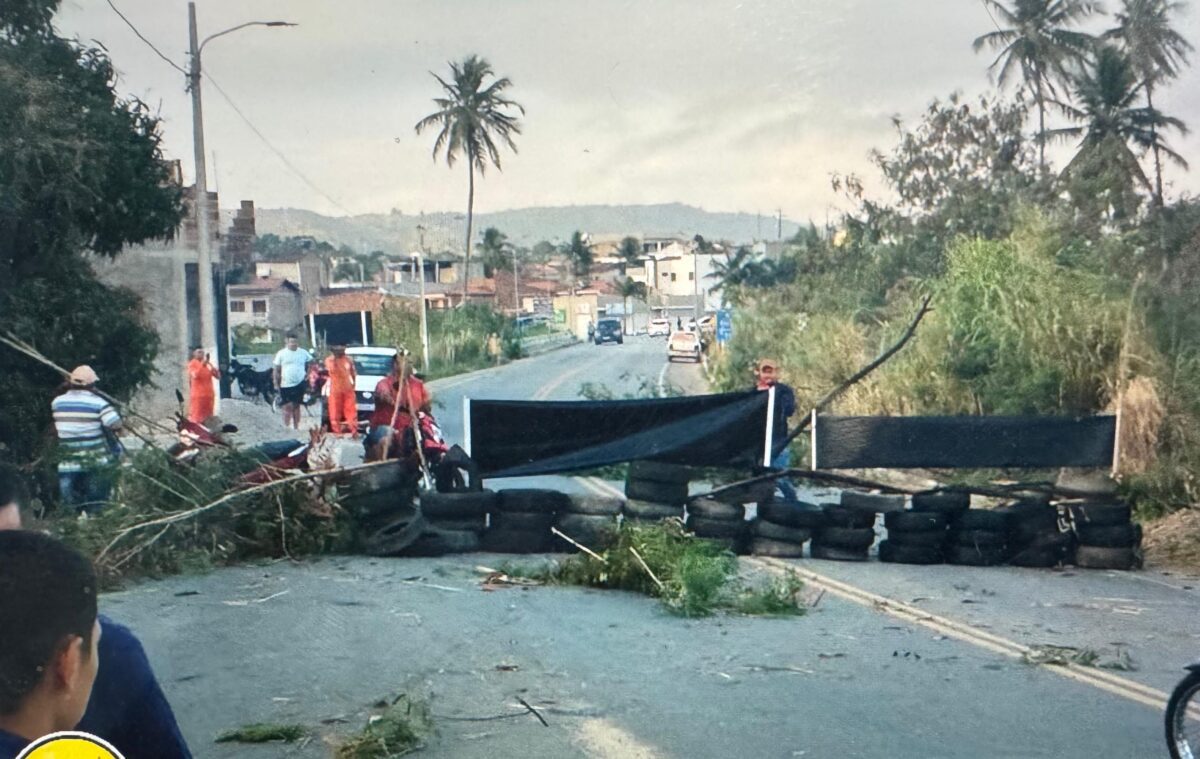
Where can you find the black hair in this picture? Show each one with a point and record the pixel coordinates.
(12, 486)
(290, 336)
(47, 593)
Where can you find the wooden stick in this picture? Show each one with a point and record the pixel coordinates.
(534, 712)
(646, 567)
(580, 546)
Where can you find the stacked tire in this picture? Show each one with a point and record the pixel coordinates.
(590, 521)
(655, 490)
(376, 497)
(454, 522)
(914, 537)
(978, 538)
(782, 529)
(1035, 538)
(522, 520)
(723, 523)
(1107, 536)
(846, 535)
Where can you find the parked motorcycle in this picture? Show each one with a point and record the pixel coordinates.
(277, 456)
(253, 383)
(1183, 716)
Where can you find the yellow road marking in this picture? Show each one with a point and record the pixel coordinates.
(1106, 681)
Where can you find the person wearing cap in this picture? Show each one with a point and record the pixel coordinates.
(201, 396)
(343, 411)
(766, 376)
(84, 422)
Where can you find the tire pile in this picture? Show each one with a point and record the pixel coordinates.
(782, 529)
(522, 520)
(1107, 538)
(722, 523)
(655, 491)
(590, 520)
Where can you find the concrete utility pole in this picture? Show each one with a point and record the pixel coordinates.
(424, 307)
(208, 322)
(696, 283)
(779, 231)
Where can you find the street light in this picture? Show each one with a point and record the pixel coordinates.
(208, 324)
(419, 262)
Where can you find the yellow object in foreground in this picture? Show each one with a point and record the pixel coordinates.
(70, 746)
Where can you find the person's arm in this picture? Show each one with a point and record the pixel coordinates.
(277, 371)
(216, 373)
(110, 418)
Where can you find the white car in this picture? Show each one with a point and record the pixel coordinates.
(659, 328)
(371, 364)
(683, 345)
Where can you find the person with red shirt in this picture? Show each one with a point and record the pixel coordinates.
(201, 396)
(386, 419)
(343, 413)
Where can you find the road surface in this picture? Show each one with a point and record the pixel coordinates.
(894, 661)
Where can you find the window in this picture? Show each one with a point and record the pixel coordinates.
(672, 276)
(259, 306)
(237, 306)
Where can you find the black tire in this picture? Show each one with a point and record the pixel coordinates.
(1042, 557)
(394, 538)
(595, 532)
(980, 538)
(1024, 533)
(909, 554)
(532, 501)
(1096, 557)
(1116, 536)
(935, 538)
(658, 471)
(801, 515)
(761, 528)
(457, 505)
(1030, 520)
(1182, 700)
(776, 548)
(473, 524)
(435, 542)
(851, 538)
(497, 540)
(674, 493)
(836, 516)
(710, 509)
(384, 478)
(1100, 513)
(758, 492)
(836, 553)
(915, 521)
(872, 503)
(518, 520)
(715, 528)
(944, 503)
(971, 556)
(982, 519)
(645, 511)
(384, 506)
(595, 505)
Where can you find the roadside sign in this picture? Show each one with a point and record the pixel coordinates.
(724, 326)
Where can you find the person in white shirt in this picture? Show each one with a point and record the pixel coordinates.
(291, 372)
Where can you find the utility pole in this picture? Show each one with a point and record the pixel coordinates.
(424, 308)
(516, 287)
(204, 277)
(779, 230)
(696, 283)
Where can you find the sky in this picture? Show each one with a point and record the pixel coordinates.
(729, 105)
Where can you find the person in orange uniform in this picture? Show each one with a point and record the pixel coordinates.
(201, 396)
(343, 413)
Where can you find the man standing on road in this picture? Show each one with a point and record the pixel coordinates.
(343, 411)
(398, 398)
(291, 372)
(86, 425)
(201, 396)
(766, 376)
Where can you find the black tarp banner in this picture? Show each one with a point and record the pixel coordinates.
(963, 442)
(521, 438)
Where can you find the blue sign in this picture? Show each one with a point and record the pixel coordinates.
(724, 326)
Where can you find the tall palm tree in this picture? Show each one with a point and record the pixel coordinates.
(1040, 43)
(496, 251)
(628, 288)
(472, 117)
(1110, 122)
(1155, 50)
(579, 253)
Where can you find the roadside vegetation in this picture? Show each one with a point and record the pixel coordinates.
(457, 337)
(692, 577)
(1071, 290)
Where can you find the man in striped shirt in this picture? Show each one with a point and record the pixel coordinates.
(84, 421)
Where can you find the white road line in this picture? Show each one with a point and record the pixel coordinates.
(662, 390)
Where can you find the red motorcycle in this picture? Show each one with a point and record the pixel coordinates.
(278, 456)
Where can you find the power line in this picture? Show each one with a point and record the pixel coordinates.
(273, 149)
(142, 37)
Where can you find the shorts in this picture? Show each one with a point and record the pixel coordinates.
(293, 395)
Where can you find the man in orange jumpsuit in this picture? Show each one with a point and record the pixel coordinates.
(343, 413)
(201, 396)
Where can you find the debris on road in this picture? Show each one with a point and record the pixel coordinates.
(263, 732)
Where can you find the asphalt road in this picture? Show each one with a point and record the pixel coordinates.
(615, 676)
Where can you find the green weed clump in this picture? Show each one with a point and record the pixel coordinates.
(263, 732)
(398, 730)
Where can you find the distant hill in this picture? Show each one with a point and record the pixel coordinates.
(396, 232)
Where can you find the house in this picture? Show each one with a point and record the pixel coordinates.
(264, 310)
(307, 271)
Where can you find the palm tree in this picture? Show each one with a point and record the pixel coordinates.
(1040, 43)
(1110, 123)
(496, 251)
(1155, 50)
(630, 250)
(579, 253)
(628, 288)
(471, 117)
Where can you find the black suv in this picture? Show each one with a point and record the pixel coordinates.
(609, 330)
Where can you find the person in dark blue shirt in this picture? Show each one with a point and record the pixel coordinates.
(128, 708)
(766, 376)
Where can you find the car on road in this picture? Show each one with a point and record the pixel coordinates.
(609, 331)
(683, 344)
(371, 364)
(659, 328)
